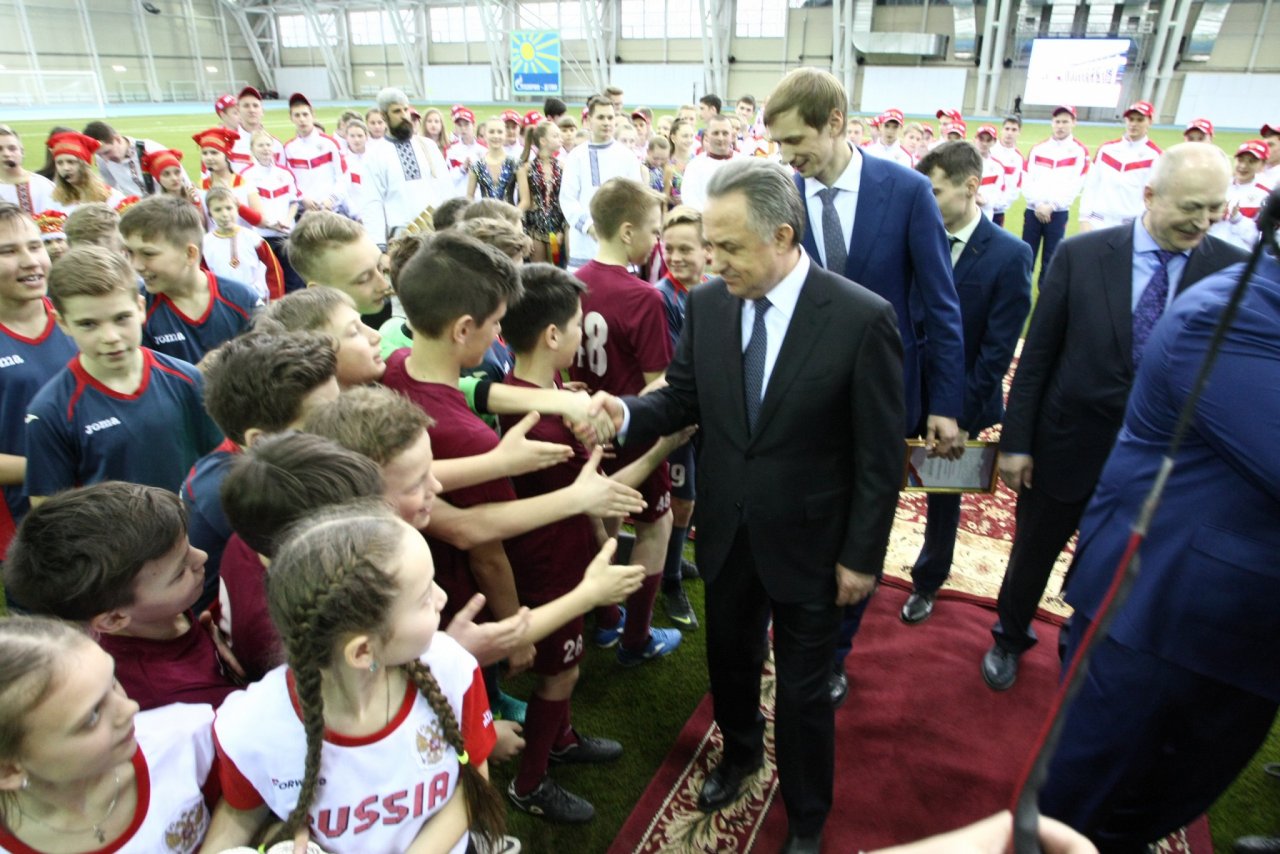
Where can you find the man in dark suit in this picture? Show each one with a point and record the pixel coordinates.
(993, 280)
(1184, 688)
(794, 376)
(875, 223)
(1101, 297)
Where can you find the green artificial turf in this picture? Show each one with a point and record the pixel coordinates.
(646, 707)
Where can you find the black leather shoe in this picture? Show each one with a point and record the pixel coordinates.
(999, 668)
(724, 784)
(838, 686)
(918, 607)
(797, 844)
(1257, 845)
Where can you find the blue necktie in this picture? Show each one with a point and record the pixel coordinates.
(753, 363)
(834, 250)
(1151, 305)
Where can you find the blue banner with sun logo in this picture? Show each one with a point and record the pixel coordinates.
(535, 62)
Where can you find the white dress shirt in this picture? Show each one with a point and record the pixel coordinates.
(782, 305)
(846, 202)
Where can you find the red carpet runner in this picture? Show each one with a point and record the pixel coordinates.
(922, 744)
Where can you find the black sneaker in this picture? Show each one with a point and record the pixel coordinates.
(679, 610)
(689, 570)
(588, 750)
(553, 803)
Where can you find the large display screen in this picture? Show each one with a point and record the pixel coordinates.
(1080, 72)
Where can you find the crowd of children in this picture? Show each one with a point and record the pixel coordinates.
(254, 487)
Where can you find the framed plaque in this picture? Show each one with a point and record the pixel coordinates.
(975, 471)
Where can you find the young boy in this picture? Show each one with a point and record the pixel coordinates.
(328, 249)
(115, 557)
(256, 384)
(626, 346)
(94, 224)
(545, 328)
(585, 169)
(32, 350)
(237, 254)
(278, 481)
(189, 311)
(315, 159)
(686, 254)
(117, 411)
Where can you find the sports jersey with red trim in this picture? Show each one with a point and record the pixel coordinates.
(185, 669)
(1112, 192)
(377, 790)
(277, 189)
(550, 561)
(624, 331)
(79, 431)
(229, 312)
(458, 432)
(207, 525)
(26, 364)
(175, 780)
(317, 163)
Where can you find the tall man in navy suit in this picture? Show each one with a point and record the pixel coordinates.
(1185, 687)
(875, 223)
(794, 376)
(1098, 304)
(993, 280)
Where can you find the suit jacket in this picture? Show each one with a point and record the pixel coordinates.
(993, 281)
(1076, 369)
(899, 250)
(817, 482)
(1206, 596)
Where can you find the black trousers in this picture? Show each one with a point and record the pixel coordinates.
(1044, 527)
(738, 612)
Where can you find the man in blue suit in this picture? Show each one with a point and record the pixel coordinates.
(875, 223)
(993, 279)
(1184, 688)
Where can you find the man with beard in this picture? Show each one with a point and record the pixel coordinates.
(402, 178)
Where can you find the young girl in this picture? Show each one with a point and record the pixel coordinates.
(494, 175)
(376, 121)
(239, 254)
(76, 180)
(539, 181)
(215, 158)
(166, 167)
(433, 128)
(357, 145)
(366, 735)
(682, 138)
(80, 769)
(657, 156)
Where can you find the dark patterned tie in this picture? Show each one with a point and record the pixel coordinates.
(753, 363)
(1151, 305)
(833, 246)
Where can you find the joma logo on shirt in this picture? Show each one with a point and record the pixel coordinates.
(10, 361)
(90, 429)
(170, 338)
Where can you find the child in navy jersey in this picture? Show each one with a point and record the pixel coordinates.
(32, 349)
(189, 310)
(115, 557)
(256, 384)
(117, 411)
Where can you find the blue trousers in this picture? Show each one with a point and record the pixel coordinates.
(1040, 235)
(1147, 745)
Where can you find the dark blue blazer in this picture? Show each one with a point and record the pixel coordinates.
(899, 250)
(1206, 596)
(993, 281)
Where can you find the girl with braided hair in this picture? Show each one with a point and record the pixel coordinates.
(376, 733)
